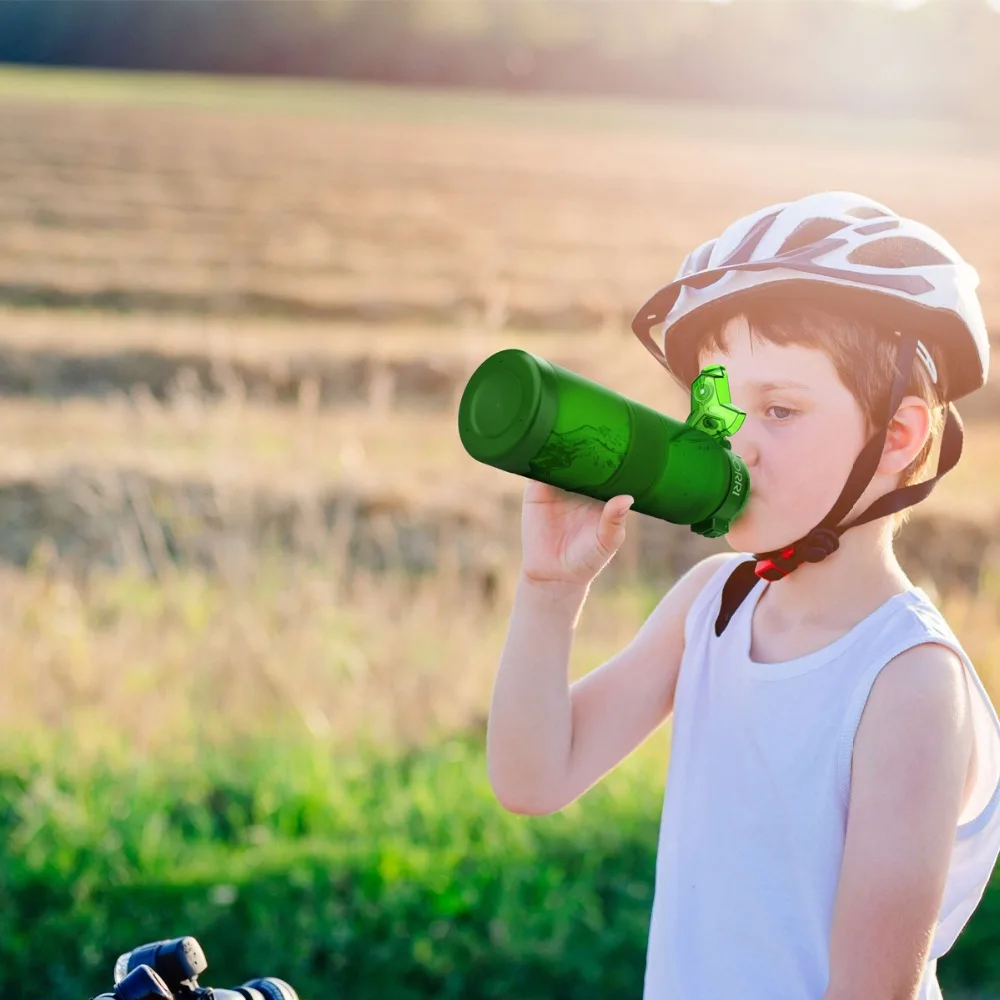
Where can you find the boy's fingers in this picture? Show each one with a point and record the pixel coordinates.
(624, 509)
(616, 515)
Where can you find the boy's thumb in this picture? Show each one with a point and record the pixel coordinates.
(624, 510)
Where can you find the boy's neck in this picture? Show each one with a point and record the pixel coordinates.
(842, 589)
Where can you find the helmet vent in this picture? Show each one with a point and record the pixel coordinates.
(877, 227)
(896, 252)
(811, 231)
(866, 212)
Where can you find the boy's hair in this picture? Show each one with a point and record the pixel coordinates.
(862, 352)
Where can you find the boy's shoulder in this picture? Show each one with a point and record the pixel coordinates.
(710, 577)
(714, 570)
(923, 610)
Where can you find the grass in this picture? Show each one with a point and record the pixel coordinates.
(123, 662)
(302, 646)
(360, 876)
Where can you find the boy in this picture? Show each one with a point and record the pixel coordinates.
(831, 815)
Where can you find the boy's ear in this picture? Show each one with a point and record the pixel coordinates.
(908, 432)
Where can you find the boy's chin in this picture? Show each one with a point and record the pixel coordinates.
(745, 536)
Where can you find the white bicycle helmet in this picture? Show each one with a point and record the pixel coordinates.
(843, 249)
(849, 248)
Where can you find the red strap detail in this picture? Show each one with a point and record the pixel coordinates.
(766, 570)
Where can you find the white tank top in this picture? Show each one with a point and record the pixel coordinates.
(755, 810)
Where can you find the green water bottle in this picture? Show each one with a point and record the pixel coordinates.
(526, 415)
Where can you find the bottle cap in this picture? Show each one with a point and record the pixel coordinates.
(507, 412)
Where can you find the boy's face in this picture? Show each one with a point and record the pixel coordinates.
(799, 441)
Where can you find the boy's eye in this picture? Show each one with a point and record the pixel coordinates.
(780, 412)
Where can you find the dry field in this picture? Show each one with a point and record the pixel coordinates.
(236, 320)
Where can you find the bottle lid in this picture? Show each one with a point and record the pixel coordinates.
(508, 409)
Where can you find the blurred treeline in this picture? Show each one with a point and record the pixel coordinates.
(933, 59)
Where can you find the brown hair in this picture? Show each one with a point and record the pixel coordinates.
(862, 352)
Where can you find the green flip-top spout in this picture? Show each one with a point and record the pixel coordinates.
(712, 410)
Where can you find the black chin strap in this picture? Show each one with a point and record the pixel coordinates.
(824, 539)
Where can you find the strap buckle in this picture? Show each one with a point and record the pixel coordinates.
(768, 569)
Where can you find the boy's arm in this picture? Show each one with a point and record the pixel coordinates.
(911, 756)
(547, 741)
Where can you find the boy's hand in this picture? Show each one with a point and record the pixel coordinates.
(568, 538)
